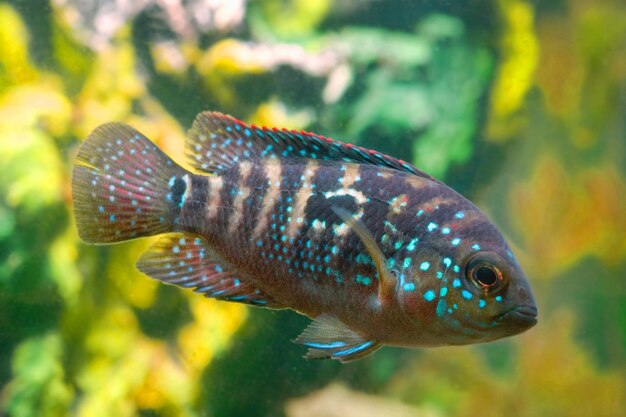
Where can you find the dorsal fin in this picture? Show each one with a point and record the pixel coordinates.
(187, 261)
(217, 141)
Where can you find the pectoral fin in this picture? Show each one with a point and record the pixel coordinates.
(329, 338)
(388, 281)
(188, 262)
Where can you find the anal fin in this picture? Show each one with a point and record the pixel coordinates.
(187, 261)
(329, 338)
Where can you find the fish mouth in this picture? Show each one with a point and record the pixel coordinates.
(521, 317)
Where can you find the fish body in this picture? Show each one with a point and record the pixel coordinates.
(374, 250)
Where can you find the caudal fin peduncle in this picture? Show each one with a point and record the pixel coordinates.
(124, 187)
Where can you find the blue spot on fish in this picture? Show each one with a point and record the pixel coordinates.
(429, 295)
(466, 294)
(330, 345)
(425, 265)
(355, 349)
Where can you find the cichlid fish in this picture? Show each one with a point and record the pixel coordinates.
(374, 250)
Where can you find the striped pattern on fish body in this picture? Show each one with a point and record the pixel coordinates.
(376, 251)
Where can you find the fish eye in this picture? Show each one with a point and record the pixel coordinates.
(483, 273)
(486, 275)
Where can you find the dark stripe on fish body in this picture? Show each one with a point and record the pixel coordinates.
(291, 174)
(225, 211)
(378, 190)
(266, 205)
(327, 177)
(277, 246)
(193, 211)
(257, 183)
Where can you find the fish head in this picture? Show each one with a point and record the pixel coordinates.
(495, 299)
(471, 287)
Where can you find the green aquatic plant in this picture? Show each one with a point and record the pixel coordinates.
(517, 104)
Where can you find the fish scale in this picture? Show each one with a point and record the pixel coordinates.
(373, 250)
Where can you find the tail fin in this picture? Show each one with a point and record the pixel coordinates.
(124, 187)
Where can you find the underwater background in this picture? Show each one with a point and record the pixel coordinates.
(519, 105)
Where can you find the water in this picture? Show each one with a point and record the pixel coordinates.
(518, 106)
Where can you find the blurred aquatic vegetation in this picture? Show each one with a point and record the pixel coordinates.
(96, 23)
(519, 48)
(552, 376)
(519, 105)
(573, 216)
(337, 400)
(420, 88)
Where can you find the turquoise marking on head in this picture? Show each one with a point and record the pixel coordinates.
(441, 307)
(429, 295)
(366, 280)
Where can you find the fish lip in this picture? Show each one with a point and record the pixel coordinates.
(524, 315)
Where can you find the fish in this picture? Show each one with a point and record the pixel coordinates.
(373, 250)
